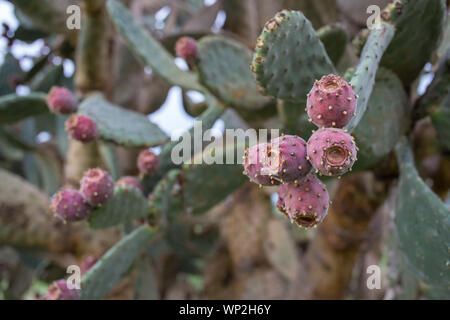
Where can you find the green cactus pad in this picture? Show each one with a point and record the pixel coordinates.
(289, 57)
(289, 114)
(334, 37)
(207, 185)
(224, 69)
(14, 108)
(102, 277)
(49, 77)
(294, 118)
(441, 123)
(45, 15)
(207, 120)
(167, 198)
(419, 25)
(197, 188)
(363, 78)
(385, 120)
(121, 126)
(126, 205)
(149, 50)
(9, 70)
(422, 222)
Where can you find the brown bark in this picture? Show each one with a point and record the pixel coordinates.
(258, 258)
(332, 254)
(80, 158)
(92, 55)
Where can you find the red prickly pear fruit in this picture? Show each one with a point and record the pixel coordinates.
(97, 186)
(70, 205)
(61, 100)
(304, 202)
(288, 158)
(186, 48)
(59, 290)
(331, 151)
(81, 128)
(87, 264)
(331, 102)
(130, 181)
(148, 162)
(255, 161)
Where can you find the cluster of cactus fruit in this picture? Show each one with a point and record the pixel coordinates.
(97, 187)
(288, 159)
(293, 77)
(61, 101)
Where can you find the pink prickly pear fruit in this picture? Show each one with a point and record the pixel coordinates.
(304, 202)
(97, 186)
(61, 100)
(256, 162)
(130, 181)
(70, 205)
(186, 48)
(148, 162)
(331, 102)
(288, 162)
(59, 290)
(331, 151)
(81, 128)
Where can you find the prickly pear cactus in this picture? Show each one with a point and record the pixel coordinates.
(93, 172)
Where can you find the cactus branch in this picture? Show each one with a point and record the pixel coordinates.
(92, 49)
(91, 75)
(148, 49)
(364, 76)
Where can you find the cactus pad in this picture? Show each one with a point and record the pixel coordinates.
(385, 120)
(364, 76)
(124, 127)
(149, 50)
(334, 37)
(126, 205)
(441, 123)
(422, 222)
(224, 69)
(419, 25)
(97, 282)
(14, 108)
(289, 57)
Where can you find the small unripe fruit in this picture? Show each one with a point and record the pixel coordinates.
(256, 162)
(186, 48)
(59, 290)
(304, 202)
(148, 162)
(331, 151)
(61, 100)
(331, 102)
(70, 205)
(97, 186)
(288, 158)
(130, 181)
(81, 128)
